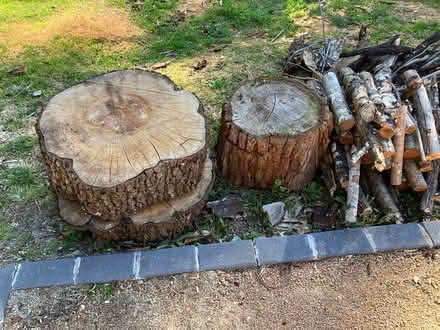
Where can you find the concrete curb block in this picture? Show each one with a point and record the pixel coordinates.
(224, 256)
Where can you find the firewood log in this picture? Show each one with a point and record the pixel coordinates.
(410, 124)
(414, 176)
(382, 195)
(384, 84)
(411, 148)
(328, 173)
(425, 120)
(425, 166)
(353, 189)
(386, 125)
(434, 97)
(341, 165)
(427, 199)
(343, 117)
(399, 144)
(356, 90)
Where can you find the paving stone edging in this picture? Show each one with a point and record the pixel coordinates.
(223, 256)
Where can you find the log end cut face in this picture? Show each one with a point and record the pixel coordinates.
(275, 107)
(115, 126)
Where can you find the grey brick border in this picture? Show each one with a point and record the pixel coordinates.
(223, 256)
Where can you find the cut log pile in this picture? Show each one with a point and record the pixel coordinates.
(386, 108)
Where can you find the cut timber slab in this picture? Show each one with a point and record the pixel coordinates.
(161, 221)
(273, 129)
(123, 141)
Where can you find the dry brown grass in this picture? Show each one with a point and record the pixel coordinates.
(89, 20)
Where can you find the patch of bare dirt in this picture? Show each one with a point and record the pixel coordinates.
(89, 21)
(195, 7)
(414, 11)
(399, 290)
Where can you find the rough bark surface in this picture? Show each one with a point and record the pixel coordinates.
(426, 122)
(123, 141)
(382, 195)
(344, 120)
(273, 129)
(427, 199)
(414, 176)
(158, 222)
(399, 143)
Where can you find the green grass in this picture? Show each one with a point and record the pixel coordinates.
(21, 145)
(15, 11)
(216, 25)
(382, 20)
(5, 229)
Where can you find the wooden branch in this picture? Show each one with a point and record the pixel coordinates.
(414, 176)
(378, 51)
(353, 190)
(383, 196)
(399, 144)
(411, 147)
(425, 121)
(427, 199)
(343, 116)
(341, 165)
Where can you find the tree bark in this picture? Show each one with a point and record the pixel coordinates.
(328, 173)
(399, 144)
(357, 91)
(427, 198)
(383, 196)
(425, 166)
(343, 118)
(353, 190)
(411, 148)
(122, 142)
(425, 120)
(410, 124)
(414, 176)
(161, 221)
(341, 165)
(267, 134)
(384, 84)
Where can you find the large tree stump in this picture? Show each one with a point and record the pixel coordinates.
(273, 129)
(123, 142)
(160, 221)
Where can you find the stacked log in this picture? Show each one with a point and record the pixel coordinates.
(386, 106)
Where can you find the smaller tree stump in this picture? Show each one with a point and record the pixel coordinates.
(273, 129)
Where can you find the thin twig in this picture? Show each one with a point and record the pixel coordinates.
(278, 35)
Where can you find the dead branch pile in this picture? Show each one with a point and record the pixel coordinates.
(386, 106)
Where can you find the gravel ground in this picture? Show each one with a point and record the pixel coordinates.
(398, 290)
